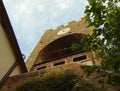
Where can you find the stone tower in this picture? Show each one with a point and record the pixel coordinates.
(54, 48)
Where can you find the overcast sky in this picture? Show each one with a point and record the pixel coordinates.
(30, 18)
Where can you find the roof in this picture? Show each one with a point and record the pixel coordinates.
(4, 20)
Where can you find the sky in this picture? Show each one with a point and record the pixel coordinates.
(31, 18)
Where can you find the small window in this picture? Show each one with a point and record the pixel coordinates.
(60, 63)
(79, 58)
(41, 68)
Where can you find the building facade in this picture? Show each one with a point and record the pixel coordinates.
(54, 48)
(11, 59)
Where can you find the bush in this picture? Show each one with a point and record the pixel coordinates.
(101, 81)
(114, 79)
(63, 81)
(88, 69)
(83, 85)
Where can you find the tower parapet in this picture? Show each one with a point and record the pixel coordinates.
(60, 27)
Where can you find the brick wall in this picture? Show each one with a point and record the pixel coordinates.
(14, 81)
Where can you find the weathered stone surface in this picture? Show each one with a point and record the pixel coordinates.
(13, 82)
(51, 35)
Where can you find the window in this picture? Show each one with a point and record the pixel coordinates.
(41, 68)
(60, 63)
(79, 58)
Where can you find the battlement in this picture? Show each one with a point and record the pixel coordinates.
(72, 23)
(60, 27)
(49, 30)
(78, 24)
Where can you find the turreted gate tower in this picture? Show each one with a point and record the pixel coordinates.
(54, 48)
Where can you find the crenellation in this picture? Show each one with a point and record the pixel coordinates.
(72, 23)
(60, 27)
(49, 30)
(83, 19)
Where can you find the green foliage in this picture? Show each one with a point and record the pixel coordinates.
(88, 69)
(52, 82)
(83, 85)
(104, 15)
(75, 46)
(114, 79)
(62, 81)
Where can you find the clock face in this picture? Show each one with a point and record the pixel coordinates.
(63, 31)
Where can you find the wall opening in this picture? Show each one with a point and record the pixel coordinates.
(41, 68)
(59, 63)
(79, 58)
(48, 53)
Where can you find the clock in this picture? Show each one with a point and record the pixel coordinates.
(63, 31)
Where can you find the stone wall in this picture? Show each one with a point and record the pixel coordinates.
(51, 35)
(14, 81)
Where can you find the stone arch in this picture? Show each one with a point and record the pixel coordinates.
(59, 48)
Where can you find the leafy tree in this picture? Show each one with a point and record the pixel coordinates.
(104, 15)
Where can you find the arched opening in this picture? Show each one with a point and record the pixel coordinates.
(60, 48)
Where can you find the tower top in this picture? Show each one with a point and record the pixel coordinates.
(74, 27)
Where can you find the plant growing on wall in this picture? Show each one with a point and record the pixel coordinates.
(58, 81)
(62, 81)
